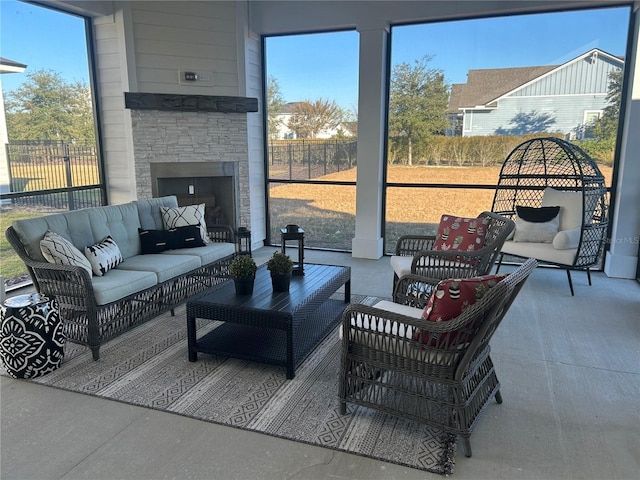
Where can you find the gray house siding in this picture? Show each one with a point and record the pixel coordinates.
(580, 77)
(555, 103)
(519, 115)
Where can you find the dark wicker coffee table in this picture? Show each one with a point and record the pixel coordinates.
(274, 328)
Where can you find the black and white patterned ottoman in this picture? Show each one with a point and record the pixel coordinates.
(32, 337)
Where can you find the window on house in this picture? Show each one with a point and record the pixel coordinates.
(48, 153)
(457, 109)
(311, 95)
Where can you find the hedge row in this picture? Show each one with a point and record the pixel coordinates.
(480, 151)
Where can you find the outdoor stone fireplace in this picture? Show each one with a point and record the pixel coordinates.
(194, 147)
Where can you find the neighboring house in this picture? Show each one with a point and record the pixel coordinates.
(513, 101)
(6, 66)
(346, 129)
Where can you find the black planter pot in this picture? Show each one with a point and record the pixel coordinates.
(281, 282)
(244, 286)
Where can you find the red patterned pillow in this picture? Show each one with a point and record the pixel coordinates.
(461, 234)
(449, 299)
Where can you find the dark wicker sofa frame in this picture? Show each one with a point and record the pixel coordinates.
(90, 324)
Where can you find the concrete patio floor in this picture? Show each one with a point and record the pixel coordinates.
(569, 369)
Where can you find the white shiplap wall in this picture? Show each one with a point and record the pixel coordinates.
(198, 36)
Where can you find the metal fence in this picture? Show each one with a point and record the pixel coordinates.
(53, 174)
(309, 159)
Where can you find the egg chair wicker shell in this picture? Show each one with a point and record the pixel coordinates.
(539, 163)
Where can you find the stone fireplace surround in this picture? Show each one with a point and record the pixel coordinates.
(185, 130)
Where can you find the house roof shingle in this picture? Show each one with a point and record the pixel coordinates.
(486, 85)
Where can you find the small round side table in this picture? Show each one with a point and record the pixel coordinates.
(31, 335)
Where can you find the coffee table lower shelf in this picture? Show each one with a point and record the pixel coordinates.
(270, 345)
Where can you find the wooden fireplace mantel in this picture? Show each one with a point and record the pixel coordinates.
(189, 103)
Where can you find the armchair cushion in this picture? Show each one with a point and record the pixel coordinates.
(457, 233)
(570, 206)
(449, 299)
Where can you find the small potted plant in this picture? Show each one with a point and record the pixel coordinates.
(243, 270)
(280, 266)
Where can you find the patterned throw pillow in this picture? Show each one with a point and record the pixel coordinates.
(103, 256)
(449, 299)
(461, 234)
(190, 215)
(57, 249)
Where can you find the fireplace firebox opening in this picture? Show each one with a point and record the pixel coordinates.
(215, 184)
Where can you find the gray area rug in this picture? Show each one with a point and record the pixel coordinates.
(148, 367)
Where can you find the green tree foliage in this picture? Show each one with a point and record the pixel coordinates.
(418, 101)
(45, 107)
(311, 117)
(275, 102)
(606, 127)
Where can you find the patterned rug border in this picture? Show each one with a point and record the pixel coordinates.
(75, 352)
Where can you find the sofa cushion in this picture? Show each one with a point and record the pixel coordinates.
(457, 233)
(209, 253)
(164, 266)
(449, 299)
(149, 211)
(185, 216)
(83, 228)
(119, 284)
(59, 250)
(103, 256)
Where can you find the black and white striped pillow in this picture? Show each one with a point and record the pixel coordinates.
(103, 256)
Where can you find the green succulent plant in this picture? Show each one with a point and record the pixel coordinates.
(280, 264)
(243, 266)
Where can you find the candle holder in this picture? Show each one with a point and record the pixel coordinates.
(243, 241)
(294, 233)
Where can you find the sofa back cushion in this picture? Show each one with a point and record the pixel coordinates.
(149, 211)
(83, 228)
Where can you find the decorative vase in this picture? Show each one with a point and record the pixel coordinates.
(244, 286)
(281, 282)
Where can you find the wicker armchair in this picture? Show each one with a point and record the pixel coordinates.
(445, 385)
(415, 255)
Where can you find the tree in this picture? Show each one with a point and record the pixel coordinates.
(418, 101)
(606, 127)
(46, 107)
(310, 118)
(275, 102)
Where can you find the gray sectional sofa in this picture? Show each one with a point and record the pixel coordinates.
(98, 308)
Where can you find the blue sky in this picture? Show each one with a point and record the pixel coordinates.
(42, 39)
(326, 65)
